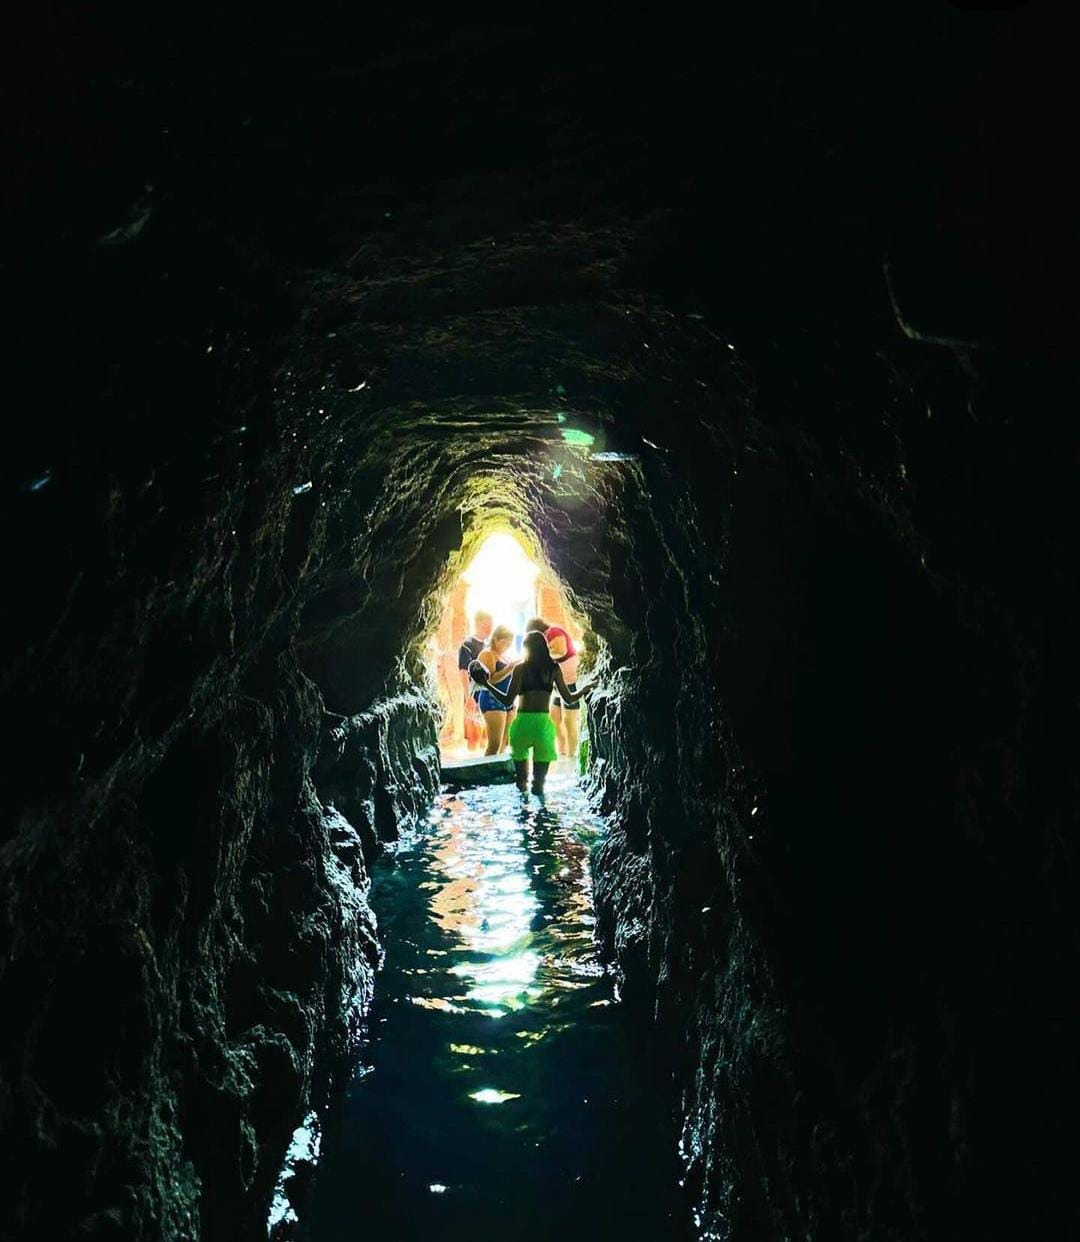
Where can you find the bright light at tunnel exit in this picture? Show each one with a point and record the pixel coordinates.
(501, 580)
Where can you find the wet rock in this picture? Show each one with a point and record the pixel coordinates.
(295, 1179)
(380, 768)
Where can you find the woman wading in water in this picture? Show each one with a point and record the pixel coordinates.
(532, 681)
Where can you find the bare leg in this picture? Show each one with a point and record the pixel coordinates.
(540, 771)
(572, 726)
(511, 715)
(473, 725)
(558, 715)
(521, 774)
(495, 722)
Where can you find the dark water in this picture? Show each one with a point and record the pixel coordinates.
(500, 1096)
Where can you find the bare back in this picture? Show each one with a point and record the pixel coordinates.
(534, 698)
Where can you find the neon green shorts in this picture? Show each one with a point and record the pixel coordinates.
(535, 731)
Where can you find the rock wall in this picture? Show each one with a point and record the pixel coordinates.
(186, 969)
(839, 882)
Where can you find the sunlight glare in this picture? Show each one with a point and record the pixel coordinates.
(489, 1095)
(502, 580)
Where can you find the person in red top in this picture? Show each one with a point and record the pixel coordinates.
(565, 715)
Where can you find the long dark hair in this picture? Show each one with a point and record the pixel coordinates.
(536, 651)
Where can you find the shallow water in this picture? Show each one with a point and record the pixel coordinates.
(500, 1093)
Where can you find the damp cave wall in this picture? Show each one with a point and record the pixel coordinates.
(836, 585)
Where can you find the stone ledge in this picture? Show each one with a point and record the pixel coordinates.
(478, 770)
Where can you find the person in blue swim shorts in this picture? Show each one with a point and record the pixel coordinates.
(497, 716)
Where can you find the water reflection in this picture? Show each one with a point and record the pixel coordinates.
(504, 888)
(503, 1094)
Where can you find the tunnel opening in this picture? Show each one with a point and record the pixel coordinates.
(505, 587)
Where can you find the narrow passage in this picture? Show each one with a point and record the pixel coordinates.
(501, 1094)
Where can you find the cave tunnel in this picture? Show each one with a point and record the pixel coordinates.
(761, 343)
